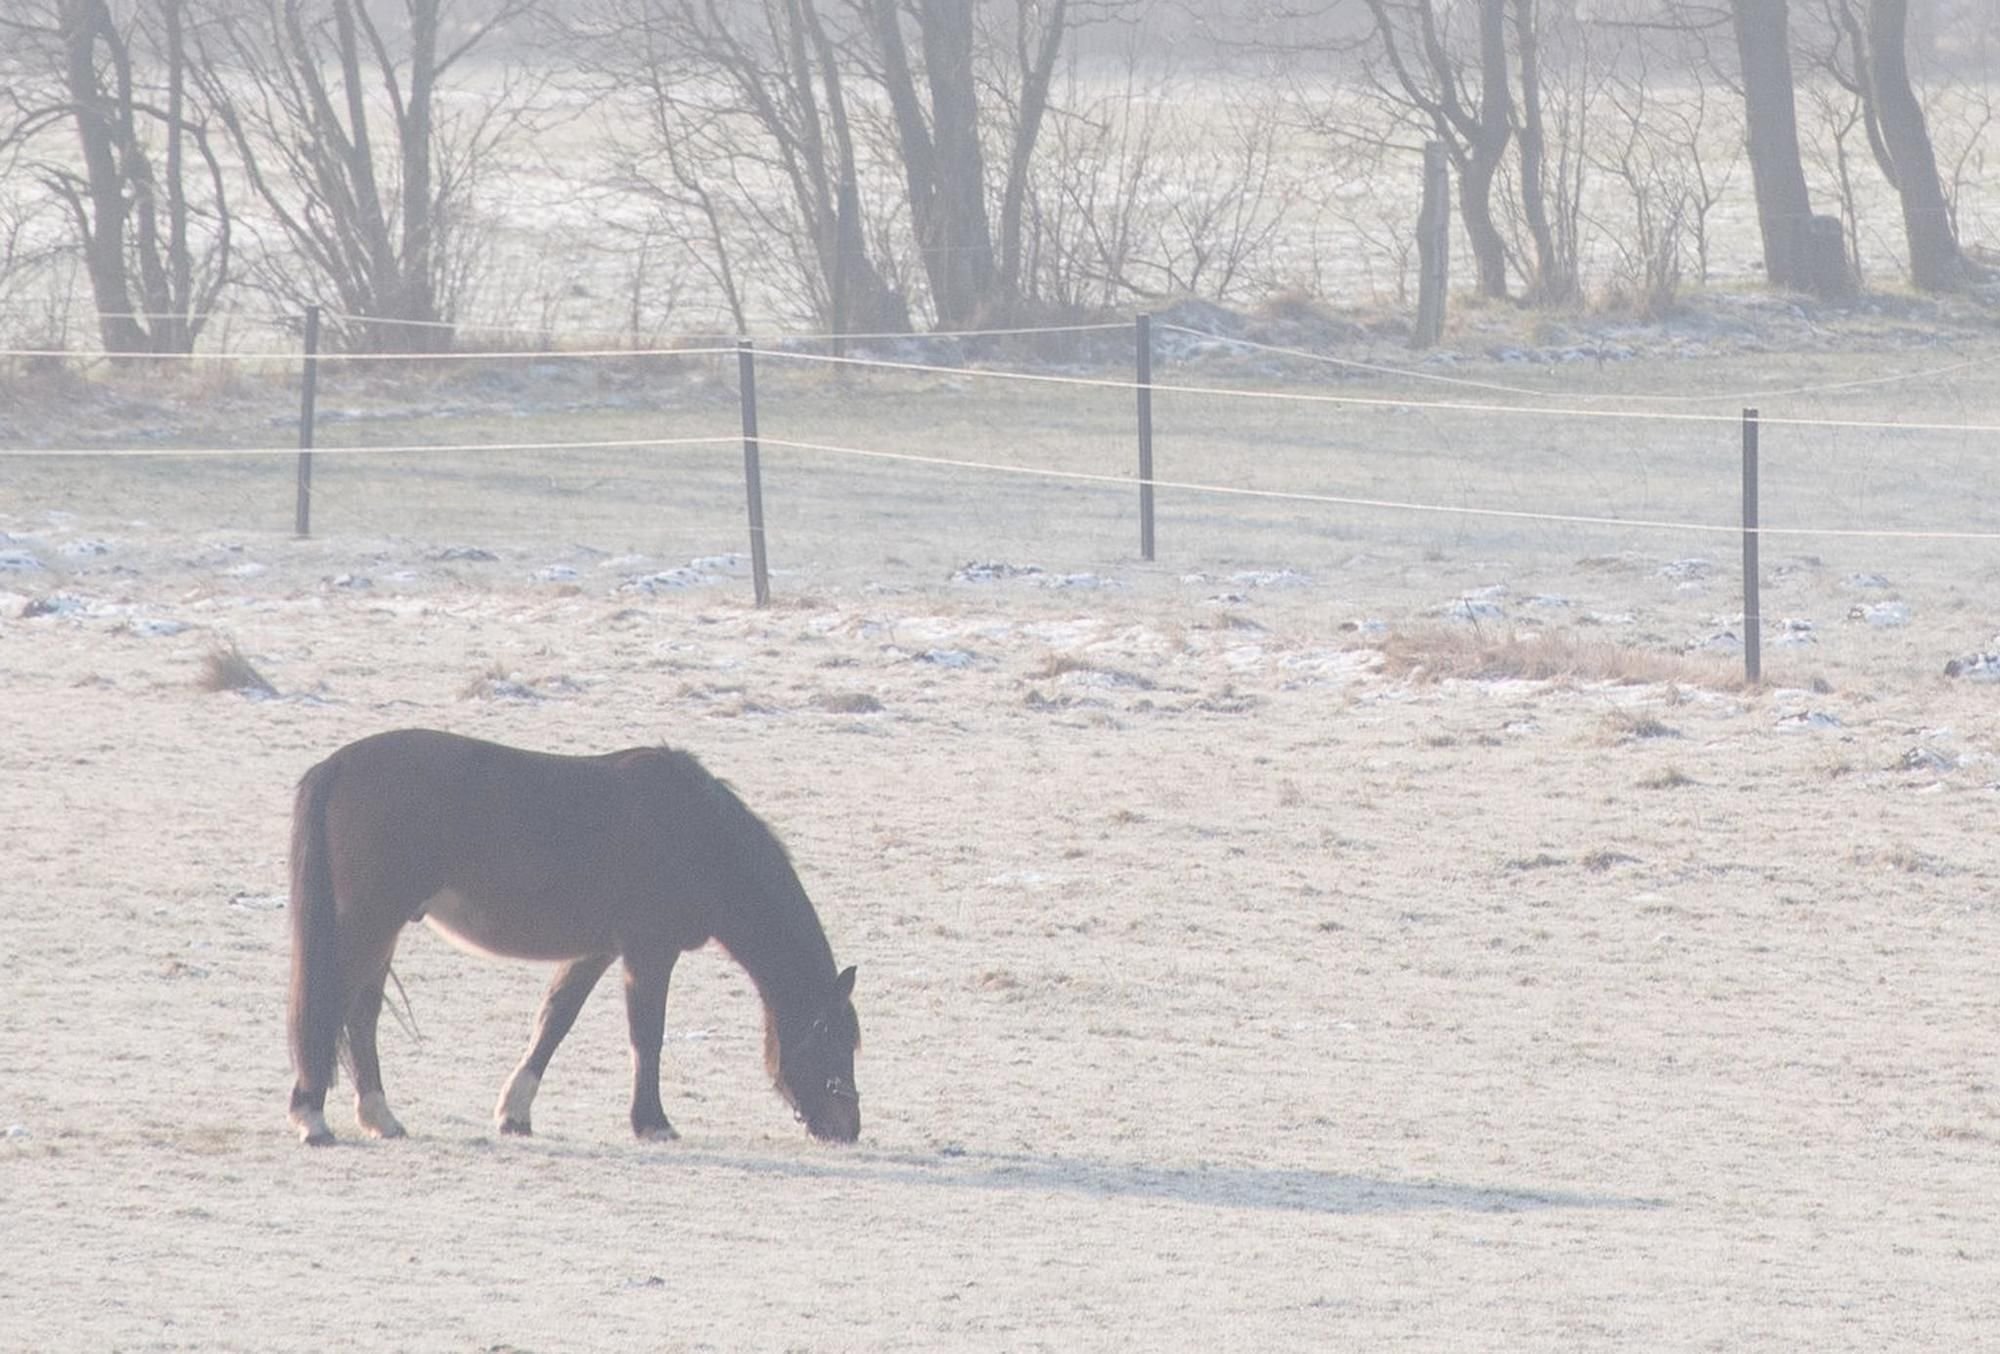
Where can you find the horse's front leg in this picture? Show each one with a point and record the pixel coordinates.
(646, 975)
(567, 990)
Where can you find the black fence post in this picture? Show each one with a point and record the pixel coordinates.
(1143, 346)
(308, 394)
(753, 476)
(1753, 620)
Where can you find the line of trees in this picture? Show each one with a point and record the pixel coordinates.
(877, 164)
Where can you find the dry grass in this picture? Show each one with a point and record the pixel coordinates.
(229, 670)
(1630, 726)
(1673, 778)
(1436, 653)
(848, 703)
(1059, 665)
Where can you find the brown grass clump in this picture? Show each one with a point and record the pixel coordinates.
(849, 703)
(1058, 665)
(1440, 653)
(228, 670)
(1630, 726)
(1673, 778)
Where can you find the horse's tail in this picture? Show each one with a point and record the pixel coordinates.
(315, 1019)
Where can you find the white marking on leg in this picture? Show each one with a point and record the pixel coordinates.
(311, 1125)
(371, 1111)
(517, 1099)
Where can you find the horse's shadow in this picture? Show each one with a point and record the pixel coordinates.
(1279, 1189)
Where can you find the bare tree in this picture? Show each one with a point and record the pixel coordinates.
(1420, 62)
(338, 127)
(1772, 137)
(1038, 34)
(745, 143)
(1936, 263)
(1555, 279)
(944, 164)
(155, 245)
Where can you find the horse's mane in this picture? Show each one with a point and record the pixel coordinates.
(789, 946)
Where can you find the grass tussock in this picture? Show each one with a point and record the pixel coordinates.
(1442, 653)
(230, 670)
(1633, 726)
(1061, 665)
(849, 703)
(1673, 778)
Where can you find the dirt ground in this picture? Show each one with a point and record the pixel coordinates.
(1223, 984)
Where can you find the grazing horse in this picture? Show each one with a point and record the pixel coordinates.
(635, 855)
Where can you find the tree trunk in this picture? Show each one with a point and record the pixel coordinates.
(943, 164)
(1936, 264)
(1772, 136)
(1489, 145)
(103, 224)
(1555, 281)
(963, 243)
(414, 128)
(1037, 69)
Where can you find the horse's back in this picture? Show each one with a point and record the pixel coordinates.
(511, 851)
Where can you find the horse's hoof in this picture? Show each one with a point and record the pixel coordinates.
(322, 1137)
(515, 1128)
(371, 1113)
(657, 1133)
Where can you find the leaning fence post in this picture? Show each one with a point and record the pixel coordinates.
(753, 477)
(1143, 346)
(1433, 248)
(308, 393)
(1753, 621)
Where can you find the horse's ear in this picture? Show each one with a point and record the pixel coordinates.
(843, 986)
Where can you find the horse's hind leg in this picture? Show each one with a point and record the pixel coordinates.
(371, 1107)
(567, 990)
(646, 978)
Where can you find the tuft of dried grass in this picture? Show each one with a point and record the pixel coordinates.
(1439, 653)
(849, 703)
(229, 670)
(1059, 665)
(1056, 664)
(1630, 726)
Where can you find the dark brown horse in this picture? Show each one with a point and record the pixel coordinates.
(635, 855)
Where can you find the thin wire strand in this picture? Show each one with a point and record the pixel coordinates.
(1395, 505)
(1733, 398)
(1384, 402)
(550, 332)
(1049, 378)
(1076, 476)
(627, 443)
(298, 356)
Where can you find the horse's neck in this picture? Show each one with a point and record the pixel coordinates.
(776, 937)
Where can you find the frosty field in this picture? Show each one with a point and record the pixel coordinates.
(1225, 981)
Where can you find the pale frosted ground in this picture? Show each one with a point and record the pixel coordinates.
(1219, 988)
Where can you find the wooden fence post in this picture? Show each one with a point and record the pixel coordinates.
(1753, 620)
(753, 475)
(1433, 248)
(1143, 346)
(308, 395)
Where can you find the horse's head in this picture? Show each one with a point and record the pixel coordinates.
(812, 1062)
